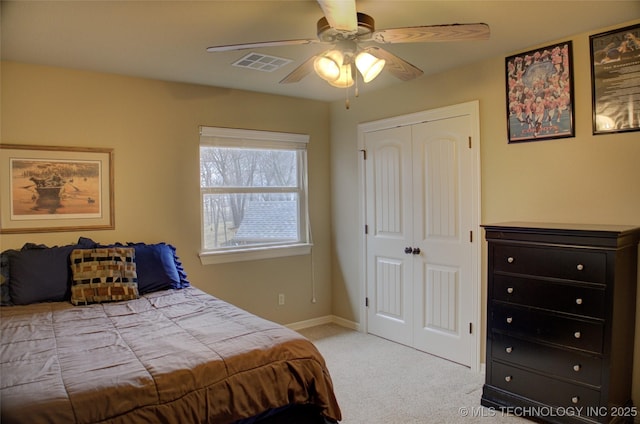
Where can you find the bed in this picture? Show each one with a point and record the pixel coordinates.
(165, 352)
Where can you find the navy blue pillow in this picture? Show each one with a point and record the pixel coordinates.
(5, 275)
(158, 267)
(38, 273)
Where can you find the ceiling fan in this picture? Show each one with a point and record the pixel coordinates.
(348, 30)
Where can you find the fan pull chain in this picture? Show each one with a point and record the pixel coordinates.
(347, 104)
(356, 90)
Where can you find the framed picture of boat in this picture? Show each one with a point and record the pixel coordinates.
(52, 188)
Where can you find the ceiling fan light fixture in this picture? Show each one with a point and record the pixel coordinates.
(328, 65)
(369, 65)
(345, 79)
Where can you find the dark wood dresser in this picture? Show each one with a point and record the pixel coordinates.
(561, 307)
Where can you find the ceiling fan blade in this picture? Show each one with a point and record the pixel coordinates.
(300, 72)
(341, 14)
(397, 67)
(418, 34)
(233, 47)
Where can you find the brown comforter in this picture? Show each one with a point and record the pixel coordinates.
(175, 356)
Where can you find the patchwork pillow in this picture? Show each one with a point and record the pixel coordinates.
(105, 274)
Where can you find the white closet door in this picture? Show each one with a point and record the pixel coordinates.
(419, 193)
(389, 218)
(442, 218)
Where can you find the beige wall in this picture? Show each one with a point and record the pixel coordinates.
(585, 179)
(153, 128)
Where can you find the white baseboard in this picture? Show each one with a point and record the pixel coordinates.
(345, 323)
(310, 323)
(327, 319)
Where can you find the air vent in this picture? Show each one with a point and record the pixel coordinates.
(261, 62)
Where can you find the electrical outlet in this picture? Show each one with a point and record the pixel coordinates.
(281, 299)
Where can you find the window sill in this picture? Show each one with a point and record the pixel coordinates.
(212, 258)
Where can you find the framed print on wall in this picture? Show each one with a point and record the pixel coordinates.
(49, 188)
(615, 80)
(540, 94)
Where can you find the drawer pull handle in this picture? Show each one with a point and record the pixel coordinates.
(580, 267)
(508, 378)
(509, 349)
(510, 259)
(509, 320)
(577, 335)
(577, 367)
(575, 399)
(509, 290)
(578, 301)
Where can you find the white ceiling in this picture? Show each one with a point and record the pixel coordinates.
(166, 40)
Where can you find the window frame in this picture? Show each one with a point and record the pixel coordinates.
(243, 138)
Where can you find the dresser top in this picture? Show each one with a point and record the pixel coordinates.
(597, 234)
(563, 226)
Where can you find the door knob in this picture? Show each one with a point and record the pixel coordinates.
(416, 251)
(408, 250)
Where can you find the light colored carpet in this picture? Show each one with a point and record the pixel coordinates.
(378, 381)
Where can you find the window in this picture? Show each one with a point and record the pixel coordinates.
(253, 193)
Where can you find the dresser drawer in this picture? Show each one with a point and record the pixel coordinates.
(540, 325)
(564, 363)
(543, 389)
(573, 299)
(567, 264)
